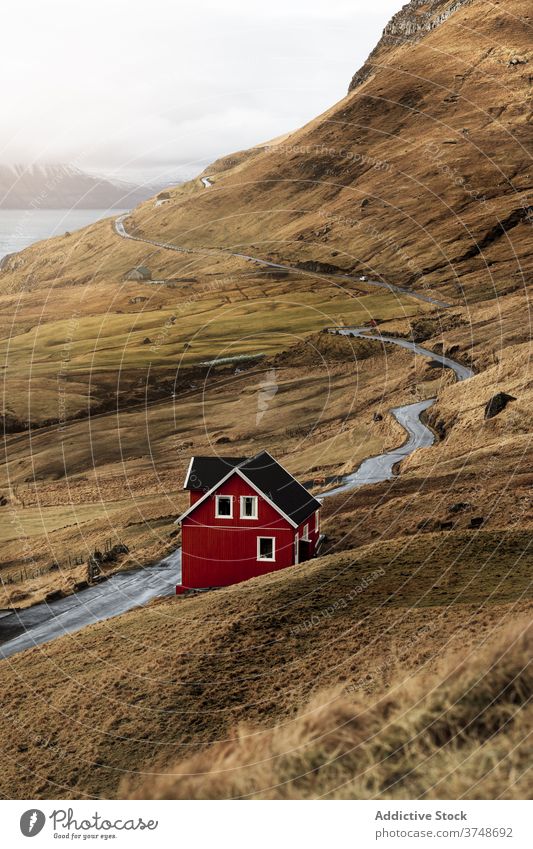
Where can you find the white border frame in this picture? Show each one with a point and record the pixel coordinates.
(224, 515)
(256, 503)
(267, 559)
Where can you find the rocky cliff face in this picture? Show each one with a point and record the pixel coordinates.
(410, 24)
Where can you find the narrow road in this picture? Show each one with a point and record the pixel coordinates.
(126, 590)
(381, 468)
(121, 231)
(122, 592)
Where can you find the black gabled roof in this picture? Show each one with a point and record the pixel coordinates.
(264, 473)
(205, 472)
(277, 484)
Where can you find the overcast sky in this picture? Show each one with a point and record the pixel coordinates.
(159, 88)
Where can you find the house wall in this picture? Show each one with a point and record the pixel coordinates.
(313, 535)
(218, 552)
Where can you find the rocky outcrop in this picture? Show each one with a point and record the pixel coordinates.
(410, 24)
(497, 404)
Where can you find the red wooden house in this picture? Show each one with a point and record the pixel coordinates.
(246, 517)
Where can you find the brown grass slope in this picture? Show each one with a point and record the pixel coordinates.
(464, 732)
(127, 697)
(421, 174)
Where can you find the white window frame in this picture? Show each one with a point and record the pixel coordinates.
(256, 512)
(266, 559)
(305, 532)
(317, 520)
(219, 515)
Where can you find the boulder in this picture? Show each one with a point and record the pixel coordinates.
(460, 507)
(476, 523)
(497, 404)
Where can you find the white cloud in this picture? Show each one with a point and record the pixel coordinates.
(141, 86)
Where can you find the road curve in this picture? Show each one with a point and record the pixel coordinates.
(123, 591)
(381, 468)
(121, 231)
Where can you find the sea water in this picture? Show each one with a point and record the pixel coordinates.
(22, 227)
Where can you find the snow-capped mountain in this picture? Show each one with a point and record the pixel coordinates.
(60, 186)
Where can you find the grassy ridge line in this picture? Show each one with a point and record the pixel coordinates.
(460, 734)
(178, 676)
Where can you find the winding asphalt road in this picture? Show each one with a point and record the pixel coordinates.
(381, 468)
(122, 592)
(121, 231)
(126, 590)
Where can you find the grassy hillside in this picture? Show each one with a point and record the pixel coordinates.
(133, 694)
(421, 174)
(461, 733)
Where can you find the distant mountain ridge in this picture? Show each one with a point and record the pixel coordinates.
(62, 186)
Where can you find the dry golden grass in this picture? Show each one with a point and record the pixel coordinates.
(403, 177)
(129, 696)
(462, 733)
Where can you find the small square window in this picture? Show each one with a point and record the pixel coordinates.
(224, 507)
(248, 507)
(266, 548)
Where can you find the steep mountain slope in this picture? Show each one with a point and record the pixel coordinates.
(412, 23)
(422, 174)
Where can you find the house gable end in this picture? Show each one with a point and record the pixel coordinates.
(215, 490)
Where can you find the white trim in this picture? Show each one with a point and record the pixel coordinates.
(187, 476)
(305, 532)
(205, 495)
(267, 559)
(239, 528)
(219, 515)
(266, 498)
(236, 471)
(317, 520)
(296, 549)
(255, 508)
